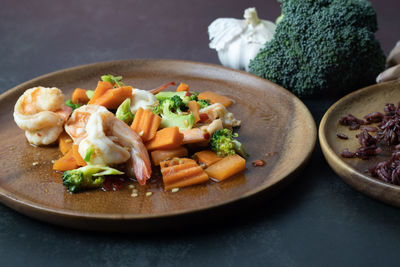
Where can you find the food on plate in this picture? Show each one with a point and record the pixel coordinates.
(375, 140)
(322, 46)
(110, 131)
(238, 41)
(41, 113)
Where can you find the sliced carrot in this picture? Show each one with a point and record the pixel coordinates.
(215, 98)
(112, 98)
(226, 167)
(166, 138)
(101, 88)
(65, 143)
(164, 154)
(78, 158)
(194, 108)
(197, 179)
(146, 124)
(182, 172)
(195, 135)
(66, 163)
(207, 157)
(79, 96)
(182, 87)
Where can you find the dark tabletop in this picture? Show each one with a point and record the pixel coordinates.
(317, 220)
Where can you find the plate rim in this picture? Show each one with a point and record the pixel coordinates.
(26, 205)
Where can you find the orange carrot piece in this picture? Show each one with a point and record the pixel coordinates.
(194, 135)
(112, 98)
(215, 98)
(166, 138)
(182, 87)
(65, 143)
(78, 158)
(101, 88)
(197, 179)
(194, 108)
(66, 163)
(226, 167)
(207, 157)
(164, 154)
(182, 172)
(79, 96)
(146, 124)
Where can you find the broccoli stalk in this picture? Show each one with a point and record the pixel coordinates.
(87, 177)
(320, 45)
(124, 112)
(112, 79)
(170, 110)
(223, 143)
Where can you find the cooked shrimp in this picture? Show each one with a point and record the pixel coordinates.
(218, 111)
(41, 112)
(113, 141)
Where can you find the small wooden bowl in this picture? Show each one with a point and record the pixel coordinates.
(354, 171)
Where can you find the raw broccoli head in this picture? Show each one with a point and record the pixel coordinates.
(223, 143)
(203, 103)
(170, 110)
(88, 177)
(322, 45)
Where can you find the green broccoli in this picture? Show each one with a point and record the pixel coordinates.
(87, 177)
(185, 96)
(172, 113)
(223, 143)
(72, 105)
(112, 79)
(322, 46)
(203, 103)
(124, 112)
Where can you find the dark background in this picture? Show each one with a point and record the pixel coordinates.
(318, 220)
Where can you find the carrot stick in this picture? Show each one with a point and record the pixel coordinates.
(166, 138)
(207, 157)
(101, 88)
(162, 87)
(112, 98)
(164, 154)
(65, 143)
(226, 167)
(182, 172)
(197, 179)
(194, 108)
(182, 87)
(79, 96)
(146, 124)
(65, 163)
(215, 98)
(79, 160)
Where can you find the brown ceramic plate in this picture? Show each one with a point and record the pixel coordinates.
(276, 127)
(353, 171)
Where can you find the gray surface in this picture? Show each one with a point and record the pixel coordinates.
(318, 220)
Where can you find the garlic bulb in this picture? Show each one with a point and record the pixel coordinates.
(239, 41)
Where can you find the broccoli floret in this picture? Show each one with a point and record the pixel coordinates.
(203, 103)
(322, 46)
(87, 177)
(185, 96)
(223, 143)
(170, 110)
(124, 112)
